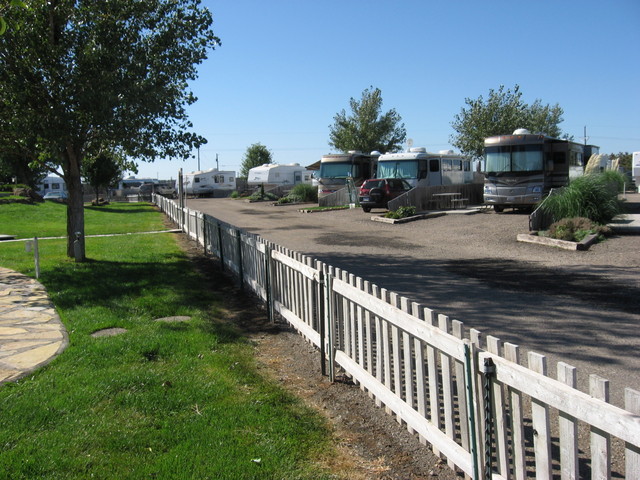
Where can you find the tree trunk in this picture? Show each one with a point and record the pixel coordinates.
(75, 208)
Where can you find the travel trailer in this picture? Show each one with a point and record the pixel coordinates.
(274, 175)
(131, 185)
(208, 183)
(522, 168)
(423, 169)
(51, 184)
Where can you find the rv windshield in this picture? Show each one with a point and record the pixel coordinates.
(514, 158)
(398, 169)
(336, 170)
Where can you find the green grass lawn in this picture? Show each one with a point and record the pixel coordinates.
(163, 400)
(48, 219)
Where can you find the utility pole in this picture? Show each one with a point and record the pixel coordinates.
(198, 158)
(217, 166)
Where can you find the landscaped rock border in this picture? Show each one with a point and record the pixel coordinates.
(533, 237)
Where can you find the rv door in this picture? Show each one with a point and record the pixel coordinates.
(435, 173)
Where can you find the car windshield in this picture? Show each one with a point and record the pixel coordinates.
(398, 169)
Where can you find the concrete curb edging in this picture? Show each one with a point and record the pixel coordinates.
(421, 216)
(553, 242)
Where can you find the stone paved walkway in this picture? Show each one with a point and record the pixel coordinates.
(31, 332)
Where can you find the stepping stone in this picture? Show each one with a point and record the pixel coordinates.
(177, 318)
(108, 332)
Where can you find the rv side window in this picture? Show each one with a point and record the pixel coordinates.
(434, 166)
(55, 186)
(576, 159)
(466, 165)
(196, 180)
(231, 179)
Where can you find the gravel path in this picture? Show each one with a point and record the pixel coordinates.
(578, 307)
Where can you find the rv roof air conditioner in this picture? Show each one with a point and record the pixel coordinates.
(521, 131)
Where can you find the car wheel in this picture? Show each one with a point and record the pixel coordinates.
(498, 208)
(366, 209)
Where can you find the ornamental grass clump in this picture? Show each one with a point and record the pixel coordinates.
(301, 193)
(593, 196)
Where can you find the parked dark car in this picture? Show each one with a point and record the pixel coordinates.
(376, 192)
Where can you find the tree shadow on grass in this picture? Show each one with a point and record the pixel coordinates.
(128, 289)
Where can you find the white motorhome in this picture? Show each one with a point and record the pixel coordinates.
(422, 168)
(208, 182)
(275, 175)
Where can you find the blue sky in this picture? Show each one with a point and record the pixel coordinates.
(287, 67)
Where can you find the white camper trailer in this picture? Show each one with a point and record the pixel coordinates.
(51, 184)
(209, 183)
(273, 175)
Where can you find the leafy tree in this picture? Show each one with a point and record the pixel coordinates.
(79, 75)
(15, 166)
(500, 114)
(367, 129)
(4, 6)
(256, 155)
(103, 171)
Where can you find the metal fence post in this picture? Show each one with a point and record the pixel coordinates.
(471, 407)
(318, 312)
(240, 267)
(489, 371)
(220, 255)
(330, 326)
(267, 281)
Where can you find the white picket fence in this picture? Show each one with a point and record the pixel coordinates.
(477, 406)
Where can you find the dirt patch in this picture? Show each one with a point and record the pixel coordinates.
(370, 443)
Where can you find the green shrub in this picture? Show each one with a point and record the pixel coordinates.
(401, 212)
(303, 192)
(261, 195)
(593, 196)
(8, 187)
(235, 194)
(577, 229)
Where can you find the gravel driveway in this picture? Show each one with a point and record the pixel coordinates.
(579, 307)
